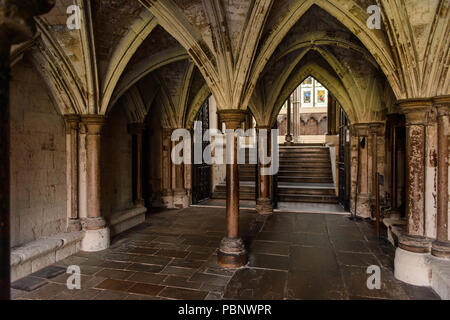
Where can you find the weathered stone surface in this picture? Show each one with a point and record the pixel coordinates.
(28, 283)
(280, 270)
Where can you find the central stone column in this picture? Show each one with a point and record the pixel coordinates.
(97, 233)
(441, 247)
(264, 202)
(232, 253)
(136, 130)
(413, 247)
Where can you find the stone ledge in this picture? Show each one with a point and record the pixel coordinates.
(41, 253)
(395, 228)
(440, 276)
(126, 219)
(438, 269)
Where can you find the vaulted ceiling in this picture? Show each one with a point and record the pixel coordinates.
(248, 53)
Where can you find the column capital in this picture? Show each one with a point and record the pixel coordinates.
(377, 128)
(72, 122)
(442, 105)
(135, 128)
(232, 118)
(360, 129)
(416, 111)
(441, 101)
(94, 123)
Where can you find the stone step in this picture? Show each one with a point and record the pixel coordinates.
(242, 188)
(282, 178)
(294, 190)
(305, 159)
(322, 173)
(303, 165)
(307, 198)
(305, 151)
(242, 196)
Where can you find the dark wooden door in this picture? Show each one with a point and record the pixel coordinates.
(201, 182)
(344, 160)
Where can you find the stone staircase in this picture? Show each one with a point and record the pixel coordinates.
(247, 183)
(305, 175)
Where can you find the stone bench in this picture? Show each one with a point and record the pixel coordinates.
(41, 253)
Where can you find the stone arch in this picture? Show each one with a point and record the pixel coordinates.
(352, 17)
(141, 29)
(326, 79)
(144, 68)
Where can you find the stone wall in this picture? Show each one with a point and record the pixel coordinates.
(38, 159)
(153, 157)
(116, 164)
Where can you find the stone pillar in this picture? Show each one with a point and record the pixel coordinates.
(376, 131)
(441, 247)
(264, 203)
(15, 19)
(96, 232)
(361, 132)
(413, 246)
(167, 192)
(72, 126)
(332, 129)
(232, 253)
(136, 130)
(288, 138)
(296, 116)
(180, 194)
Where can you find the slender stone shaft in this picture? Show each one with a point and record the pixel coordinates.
(264, 203)
(72, 125)
(289, 120)
(232, 253)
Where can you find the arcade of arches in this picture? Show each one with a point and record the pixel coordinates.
(85, 143)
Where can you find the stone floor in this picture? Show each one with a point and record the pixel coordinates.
(299, 207)
(172, 256)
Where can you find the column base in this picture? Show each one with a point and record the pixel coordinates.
(180, 199)
(441, 249)
(95, 240)
(415, 244)
(412, 268)
(74, 225)
(264, 206)
(363, 209)
(167, 199)
(232, 253)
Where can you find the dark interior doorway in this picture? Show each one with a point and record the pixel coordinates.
(344, 160)
(201, 175)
